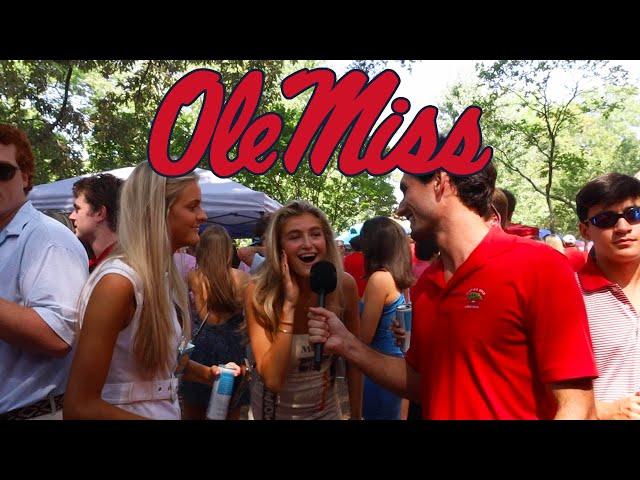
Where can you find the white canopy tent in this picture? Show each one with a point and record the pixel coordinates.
(227, 203)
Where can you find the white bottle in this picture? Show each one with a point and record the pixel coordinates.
(220, 395)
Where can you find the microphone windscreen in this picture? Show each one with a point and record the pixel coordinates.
(323, 277)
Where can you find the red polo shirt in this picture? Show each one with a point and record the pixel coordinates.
(523, 231)
(94, 262)
(614, 324)
(577, 259)
(509, 321)
(354, 265)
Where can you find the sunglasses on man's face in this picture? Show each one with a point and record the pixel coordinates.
(608, 219)
(7, 171)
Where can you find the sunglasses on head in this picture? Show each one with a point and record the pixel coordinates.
(608, 219)
(7, 171)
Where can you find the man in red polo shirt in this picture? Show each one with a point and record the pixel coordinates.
(494, 337)
(95, 213)
(609, 211)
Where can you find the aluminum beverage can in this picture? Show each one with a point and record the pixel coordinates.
(404, 317)
(220, 395)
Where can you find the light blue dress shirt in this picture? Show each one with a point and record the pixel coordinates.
(42, 266)
(255, 264)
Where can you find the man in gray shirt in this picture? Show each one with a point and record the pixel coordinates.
(43, 267)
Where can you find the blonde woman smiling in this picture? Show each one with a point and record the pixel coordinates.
(277, 303)
(133, 311)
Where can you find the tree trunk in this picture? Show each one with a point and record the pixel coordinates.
(552, 218)
(67, 84)
(547, 193)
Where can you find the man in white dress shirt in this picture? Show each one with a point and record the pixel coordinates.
(43, 267)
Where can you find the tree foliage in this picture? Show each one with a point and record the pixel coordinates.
(89, 116)
(554, 125)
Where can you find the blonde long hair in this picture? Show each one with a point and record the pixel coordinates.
(268, 293)
(214, 254)
(144, 244)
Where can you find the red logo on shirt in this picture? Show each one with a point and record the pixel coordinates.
(474, 297)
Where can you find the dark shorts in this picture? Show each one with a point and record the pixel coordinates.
(215, 345)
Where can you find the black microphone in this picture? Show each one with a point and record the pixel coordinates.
(323, 281)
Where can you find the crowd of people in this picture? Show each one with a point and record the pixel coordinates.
(137, 310)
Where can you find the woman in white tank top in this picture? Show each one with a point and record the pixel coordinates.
(133, 310)
(277, 301)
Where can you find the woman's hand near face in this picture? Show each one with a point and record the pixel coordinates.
(291, 289)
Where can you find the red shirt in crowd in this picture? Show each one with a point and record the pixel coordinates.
(509, 321)
(418, 288)
(417, 266)
(523, 231)
(94, 262)
(354, 265)
(577, 259)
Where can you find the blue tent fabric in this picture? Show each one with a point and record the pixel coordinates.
(543, 232)
(226, 203)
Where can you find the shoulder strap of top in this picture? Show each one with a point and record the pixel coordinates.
(117, 266)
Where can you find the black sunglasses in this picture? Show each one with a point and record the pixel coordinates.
(608, 219)
(7, 171)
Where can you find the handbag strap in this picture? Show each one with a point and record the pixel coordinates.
(204, 321)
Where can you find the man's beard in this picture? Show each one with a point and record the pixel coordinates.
(426, 247)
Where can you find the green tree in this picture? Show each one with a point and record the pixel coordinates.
(84, 116)
(122, 115)
(550, 140)
(88, 116)
(39, 98)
